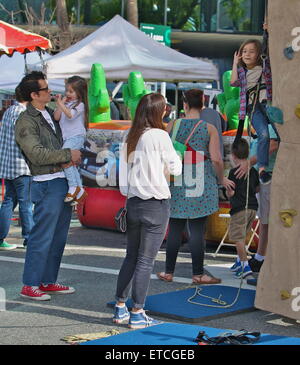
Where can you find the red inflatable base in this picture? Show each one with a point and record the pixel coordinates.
(100, 207)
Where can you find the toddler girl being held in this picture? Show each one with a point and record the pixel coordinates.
(72, 114)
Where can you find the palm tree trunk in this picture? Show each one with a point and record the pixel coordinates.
(132, 12)
(87, 11)
(62, 20)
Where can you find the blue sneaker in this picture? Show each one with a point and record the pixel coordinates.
(252, 281)
(235, 267)
(141, 320)
(243, 272)
(121, 314)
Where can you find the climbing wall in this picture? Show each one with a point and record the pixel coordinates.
(280, 275)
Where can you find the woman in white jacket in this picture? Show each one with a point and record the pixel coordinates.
(146, 158)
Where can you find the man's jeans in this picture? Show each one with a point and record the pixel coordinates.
(147, 222)
(16, 191)
(72, 173)
(48, 236)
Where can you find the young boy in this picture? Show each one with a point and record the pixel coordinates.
(242, 220)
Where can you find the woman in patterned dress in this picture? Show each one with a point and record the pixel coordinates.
(195, 192)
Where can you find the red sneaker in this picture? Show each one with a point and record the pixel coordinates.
(57, 289)
(33, 292)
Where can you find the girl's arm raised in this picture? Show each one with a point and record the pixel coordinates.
(57, 114)
(62, 107)
(234, 81)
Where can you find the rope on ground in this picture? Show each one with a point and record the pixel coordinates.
(89, 336)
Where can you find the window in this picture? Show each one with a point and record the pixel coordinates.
(232, 16)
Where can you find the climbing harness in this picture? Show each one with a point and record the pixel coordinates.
(241, 337)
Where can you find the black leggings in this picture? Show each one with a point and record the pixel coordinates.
(196, 243)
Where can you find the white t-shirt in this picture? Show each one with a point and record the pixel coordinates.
(154, 154)
(56, 175)
(48, 118)
(74, 126)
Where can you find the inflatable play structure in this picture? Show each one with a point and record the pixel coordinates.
(229, 102)
(100, 156)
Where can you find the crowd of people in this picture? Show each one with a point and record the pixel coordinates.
(170, 176)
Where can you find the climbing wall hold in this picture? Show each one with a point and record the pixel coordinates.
(297, 110)
(274, 114)
(286, 217)
(289, 52)
(284, 294)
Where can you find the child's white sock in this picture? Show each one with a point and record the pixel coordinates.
(72, 190)
(244, 263)
(238, 259)
(80, 193)
(259, 257)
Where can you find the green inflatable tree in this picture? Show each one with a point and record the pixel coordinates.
(99, 103)
(133, 91)
(229, 101)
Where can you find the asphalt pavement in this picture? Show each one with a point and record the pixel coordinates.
(90, 263)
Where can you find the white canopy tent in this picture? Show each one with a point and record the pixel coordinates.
(13, 70)
(121, 48)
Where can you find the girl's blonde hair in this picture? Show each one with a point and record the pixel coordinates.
(258, 47)
(79, 85)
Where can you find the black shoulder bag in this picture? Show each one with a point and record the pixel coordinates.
(121, 215)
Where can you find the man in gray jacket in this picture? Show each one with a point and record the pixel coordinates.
(40, 139)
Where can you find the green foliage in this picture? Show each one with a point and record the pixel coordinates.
(182, 14)
(102, 11)
(235, 10)
(152, 11)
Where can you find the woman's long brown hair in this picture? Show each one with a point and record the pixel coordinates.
(79, 85)
(149, 114)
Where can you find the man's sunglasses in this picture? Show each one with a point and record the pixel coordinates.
(44, 88)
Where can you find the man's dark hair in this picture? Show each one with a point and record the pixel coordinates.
(18, 94)
(30, 83)
(240, 149)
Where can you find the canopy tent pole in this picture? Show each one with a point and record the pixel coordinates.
(42, 60)
(176, 99)
(163, 88)
(26, 70)
(116, 89)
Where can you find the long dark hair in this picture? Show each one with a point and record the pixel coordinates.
(258, 47)
(149, 114)
(79, 85)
